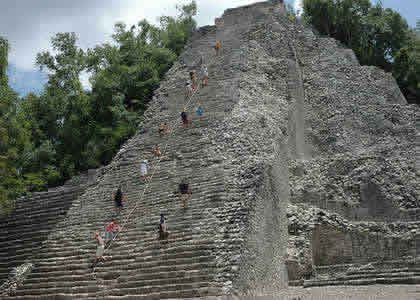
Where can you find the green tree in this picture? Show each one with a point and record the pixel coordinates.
(407, 68)
(175, 32)
(4, 51)
(63, 104)
(14, 138)
(126, 73)
(65, 66)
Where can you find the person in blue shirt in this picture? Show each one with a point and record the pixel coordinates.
(200, 112)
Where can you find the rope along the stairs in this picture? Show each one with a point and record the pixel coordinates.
(154, 168)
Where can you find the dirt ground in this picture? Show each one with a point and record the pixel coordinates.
(371, 292)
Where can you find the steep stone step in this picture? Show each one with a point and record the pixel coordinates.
(371, 281)
(157, 289)
(56, 290)
(60, 296)
(200, 292)
(383, 274)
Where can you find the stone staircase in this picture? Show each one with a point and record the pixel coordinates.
(32, 220)
(390, 272)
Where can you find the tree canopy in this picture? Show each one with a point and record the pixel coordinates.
(47, 138)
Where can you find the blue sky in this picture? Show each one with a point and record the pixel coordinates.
(409, 9)
(29, 25)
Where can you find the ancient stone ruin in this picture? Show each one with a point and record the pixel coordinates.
(303, 173)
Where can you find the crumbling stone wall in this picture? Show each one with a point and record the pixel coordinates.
(346, 135)
(331, 246)
(320, 238)
(359, 188)
(360, 168)
(16, 278)
(254, 142)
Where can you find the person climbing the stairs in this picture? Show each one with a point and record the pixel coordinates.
(163, 233)
(163, 129)
(218, 47)
(204, 75)
(157, 152)
(99, 250)
(186, 193)
(119, 200)
(193, 78)
(188, 90)
(201, 61)
(144, 166)
(110, 230)
(199, 111)
(186, 122)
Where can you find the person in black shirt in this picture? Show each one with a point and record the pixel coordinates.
(186, 193)
(118, 200)
(184, 118)
(163, 233)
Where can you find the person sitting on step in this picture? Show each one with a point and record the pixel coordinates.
(163, 129)
(157, 153)
(186, 193)
(184, 117)
(204, 75)
(144, 166)
(119, 199)
(111, 230)
(163, 232)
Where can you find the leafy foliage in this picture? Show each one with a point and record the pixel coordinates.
(13, 140)
(4, 50)
(407, 67)
(378, 36)
(46, 139)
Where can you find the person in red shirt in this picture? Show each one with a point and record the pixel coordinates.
(111, 229)
(193, 78)
(157, 152)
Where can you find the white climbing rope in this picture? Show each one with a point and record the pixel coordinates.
(176, 120)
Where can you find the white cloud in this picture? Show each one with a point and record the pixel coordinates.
(298, 5)
(29, 25)
(84, 80)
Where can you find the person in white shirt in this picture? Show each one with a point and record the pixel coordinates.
(144, 165)
(204, 75)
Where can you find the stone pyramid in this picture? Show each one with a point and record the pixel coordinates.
(303, 172)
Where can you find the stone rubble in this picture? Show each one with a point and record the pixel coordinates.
(16, 278)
